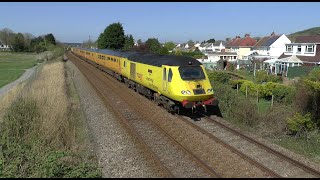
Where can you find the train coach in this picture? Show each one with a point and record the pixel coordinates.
(175, 82)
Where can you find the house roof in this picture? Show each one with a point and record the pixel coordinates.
(291, 59)
(223, 53)
(237, 42)
(217, 43)
(266, 41)
(308, 39)
(315, 58)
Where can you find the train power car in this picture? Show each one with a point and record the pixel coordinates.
(175, 82)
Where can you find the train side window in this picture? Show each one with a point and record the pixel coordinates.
(170, 75)
(164, 73)
(124, 64)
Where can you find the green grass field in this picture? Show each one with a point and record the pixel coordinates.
(13, 65)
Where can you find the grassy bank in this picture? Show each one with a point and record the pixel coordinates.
(12, 65)
(43, 132)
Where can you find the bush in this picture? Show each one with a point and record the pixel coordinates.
(262, 76)
(299, 123)
(250, 87)
(219, 77)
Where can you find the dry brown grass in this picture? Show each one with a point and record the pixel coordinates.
(8, 99)
(49, 91)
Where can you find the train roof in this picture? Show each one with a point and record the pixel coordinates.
(150, 59)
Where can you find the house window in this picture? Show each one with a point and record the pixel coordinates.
(299, 49)
(289, 48)
(310, 48)
(235, 57)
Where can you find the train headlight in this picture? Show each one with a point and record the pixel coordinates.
(185, 92)
(210, 90)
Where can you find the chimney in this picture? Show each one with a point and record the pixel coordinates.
(247, 35)
(273, 34)
(237, 37)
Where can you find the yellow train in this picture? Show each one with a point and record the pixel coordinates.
(176, 82)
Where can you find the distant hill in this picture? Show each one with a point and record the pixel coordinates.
(307, 32)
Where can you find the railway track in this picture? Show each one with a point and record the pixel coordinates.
(272, 152)
(129, 118)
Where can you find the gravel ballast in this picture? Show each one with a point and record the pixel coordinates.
(117, 153)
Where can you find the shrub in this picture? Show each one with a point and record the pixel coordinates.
(300, 123)
(219, 77)
(262, 76)
(250, 86)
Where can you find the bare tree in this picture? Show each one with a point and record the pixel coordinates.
(7, 36)
(27, 39)
(88, 44)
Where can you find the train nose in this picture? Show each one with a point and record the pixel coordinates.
(188, 104)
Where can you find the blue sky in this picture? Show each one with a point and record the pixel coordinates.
(167, 21)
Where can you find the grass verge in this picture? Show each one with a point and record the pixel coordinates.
(43, 133)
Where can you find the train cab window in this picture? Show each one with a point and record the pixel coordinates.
(164, 73)
(170, 75)
(191, 72)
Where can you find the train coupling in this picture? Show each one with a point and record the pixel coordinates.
(200, 104)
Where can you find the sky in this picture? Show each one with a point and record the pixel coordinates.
(179, 22)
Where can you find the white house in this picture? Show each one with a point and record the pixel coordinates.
(206, 48)
(305, 48)
(4, 47)
(271, 46)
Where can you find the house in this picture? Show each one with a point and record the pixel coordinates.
(4, 46)
(270, 47)
(212, 47)
(227, 56)
(241, 45)
(305, 48)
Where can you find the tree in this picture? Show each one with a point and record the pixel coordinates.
(18, 43)
(27, 41)
(88, 44)
(169, 45)
(139, 42)
(153, 45)
(49, 39)
(228, 39)
(164, 51)
(141, 48)
(7, 36)
(38, 44)
(190, 43)
(112, 37)
(129, 42)
(178, 53)
(257, 38)
(211, 40)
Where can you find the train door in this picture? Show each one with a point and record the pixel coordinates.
(164, 79)
(119, 65)
(169, 79)
(132, 70)
(123, 68)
